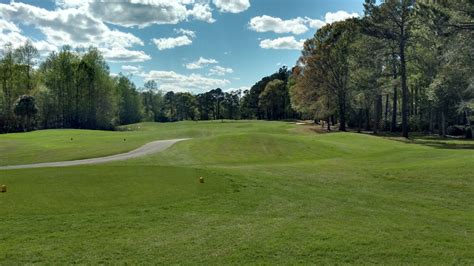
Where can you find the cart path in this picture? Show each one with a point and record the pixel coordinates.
(149, 148)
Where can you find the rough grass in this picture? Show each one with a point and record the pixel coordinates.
(272, 194)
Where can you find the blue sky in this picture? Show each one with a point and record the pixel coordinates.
(185, 45)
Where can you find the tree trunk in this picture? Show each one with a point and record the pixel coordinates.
(342, 113)
(431, 121)
(443, 124)
(469, 125)
(386, 111)
(28, 78)
(393, 126)
(342, 109)
(360, 121)
(403, 73)
(76, 101)
(416, 101)
(367, 119)
(378, 113)
(28, 123)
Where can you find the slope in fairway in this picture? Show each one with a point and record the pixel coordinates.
(72, 144)
(272, 193)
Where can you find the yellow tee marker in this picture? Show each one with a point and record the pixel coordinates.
(3, 188)
(201, 179)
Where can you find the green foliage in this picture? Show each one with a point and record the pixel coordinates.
(408, 61)
(26, 109)
(82, 94)
(405, 60)
(129, 103)
(325, 61)
(231, 105)
(274, 100)
(150, 101)
(185, 106)
(251, 107)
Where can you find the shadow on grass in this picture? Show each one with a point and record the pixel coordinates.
(452, 143)
(442, 144)
(434, 141)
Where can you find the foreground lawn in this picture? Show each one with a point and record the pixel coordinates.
(272, 194)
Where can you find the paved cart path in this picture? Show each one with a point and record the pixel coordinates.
(149, 148)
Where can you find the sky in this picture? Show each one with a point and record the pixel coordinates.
(184, 45)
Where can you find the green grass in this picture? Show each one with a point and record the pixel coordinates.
(273, 193)
(70, 144)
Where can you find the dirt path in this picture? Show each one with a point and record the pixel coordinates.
(149, 148)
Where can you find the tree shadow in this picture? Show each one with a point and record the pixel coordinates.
(452, 143)
(434, 141)
(445, 145)
(439, 143)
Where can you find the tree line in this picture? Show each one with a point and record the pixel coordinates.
(72, 89)
(67, 90)
(404, 66)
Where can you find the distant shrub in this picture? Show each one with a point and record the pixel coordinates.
(456, 131)
(469, 133)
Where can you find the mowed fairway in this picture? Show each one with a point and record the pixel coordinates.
(274, 192)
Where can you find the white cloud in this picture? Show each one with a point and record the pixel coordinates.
(13, 38)
(186, 32)
(132, 69)
(315, 23)
(200, 63)
(75, 27)
(287, 43)
(202, 12)
(173, 42)
(67, 26)
(172, 81)
(231, 6)
(220, 71)
(119, 54)
(44, 48)
(142, 13)
(8, 26)
(16, 39)
(170, 43)
(330, 17)
(339, 16)
(70, 3)
(241, 89)
(297, 25)
(12, 34)
(267, 23)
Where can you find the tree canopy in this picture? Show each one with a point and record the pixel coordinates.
(404, 66)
